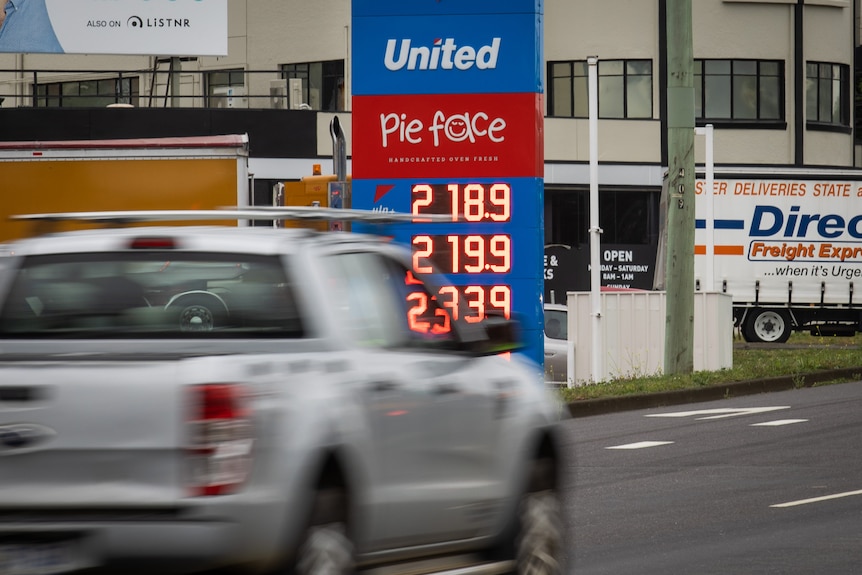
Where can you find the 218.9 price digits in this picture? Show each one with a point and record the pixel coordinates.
(472, 202)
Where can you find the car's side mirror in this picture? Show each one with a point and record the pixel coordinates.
(502, 335)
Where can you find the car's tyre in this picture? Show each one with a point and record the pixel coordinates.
(535, 542)
(540, 541)
(325, 547)
(767, 326)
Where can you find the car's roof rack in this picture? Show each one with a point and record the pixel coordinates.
(300, 213)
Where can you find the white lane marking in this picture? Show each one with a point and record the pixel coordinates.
(818, 499)
(778, 422)
(719, 413)
(640, 445)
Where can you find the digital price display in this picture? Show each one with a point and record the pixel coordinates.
(457, 253)
(477, 252)
(470, 202)
(490, 250)
(472, 303)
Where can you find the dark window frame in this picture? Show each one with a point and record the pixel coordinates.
(124, 90)
(232, 77)
(842, 124)
(573, 74)
(330, 80)
(736, 119)
(857, 95)
(626, 215)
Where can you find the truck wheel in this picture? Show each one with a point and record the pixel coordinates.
(198, 312)
(767, 326)
(325, 547)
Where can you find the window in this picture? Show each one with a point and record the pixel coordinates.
(322, 83)
(857, 95)
(225, 88)
(625, 89)
(151, 294)
(87, 93)
(827, 93)
(382, 304)
(626, 217)
(567, 217)
(556, 324)
(739, 90)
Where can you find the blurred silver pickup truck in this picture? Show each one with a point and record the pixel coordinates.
(191, 398)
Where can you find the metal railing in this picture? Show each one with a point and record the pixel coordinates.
(157, 88)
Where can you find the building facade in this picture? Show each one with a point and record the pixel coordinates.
(777, 80)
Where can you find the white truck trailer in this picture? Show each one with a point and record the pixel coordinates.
(787, 245)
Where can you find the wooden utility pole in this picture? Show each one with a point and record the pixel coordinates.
(679, 322)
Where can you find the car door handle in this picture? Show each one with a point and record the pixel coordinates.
(384, 385)
(550, 353)
(445, 388)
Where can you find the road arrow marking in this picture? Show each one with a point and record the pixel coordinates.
(818, 499)
(778, 422)
(720, 413)
(640, 445)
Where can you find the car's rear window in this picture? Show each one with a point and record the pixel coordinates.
(556, 326)
(151, 294)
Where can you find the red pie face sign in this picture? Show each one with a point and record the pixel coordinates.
(461, 135)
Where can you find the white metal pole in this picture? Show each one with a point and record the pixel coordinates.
(709, 205)
(571, 339)
(597, 371)
(710, 211)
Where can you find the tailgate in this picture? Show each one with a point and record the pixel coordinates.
(92, 433)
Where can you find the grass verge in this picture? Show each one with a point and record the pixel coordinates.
(802, 355)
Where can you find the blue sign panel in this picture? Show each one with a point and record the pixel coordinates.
(447, 54)
(447, 119)
(513, 202)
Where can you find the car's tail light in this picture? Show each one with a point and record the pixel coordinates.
(153, 243)
(220, 439)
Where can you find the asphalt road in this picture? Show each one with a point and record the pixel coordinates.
(768, 483)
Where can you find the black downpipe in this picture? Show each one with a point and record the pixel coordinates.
(662, 78)
(799, 83)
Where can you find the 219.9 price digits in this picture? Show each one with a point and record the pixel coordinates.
(456, 253)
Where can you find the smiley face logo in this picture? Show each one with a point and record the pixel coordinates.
(457, 128)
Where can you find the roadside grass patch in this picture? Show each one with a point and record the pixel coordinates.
(802, 355)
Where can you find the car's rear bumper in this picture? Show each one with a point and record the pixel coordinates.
(128, 547)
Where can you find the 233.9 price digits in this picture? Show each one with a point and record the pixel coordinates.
(476, 300)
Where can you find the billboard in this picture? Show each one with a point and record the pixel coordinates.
(448, 120)
(144, 27)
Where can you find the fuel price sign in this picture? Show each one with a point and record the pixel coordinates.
(447, 120)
